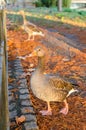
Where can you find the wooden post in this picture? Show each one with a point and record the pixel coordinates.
(1, 28)
(4, 116)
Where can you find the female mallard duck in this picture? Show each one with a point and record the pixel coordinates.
(30, 28)
(49, 88)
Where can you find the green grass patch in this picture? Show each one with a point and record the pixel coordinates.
(40, 16)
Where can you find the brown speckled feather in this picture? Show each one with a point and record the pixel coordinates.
(60, 84)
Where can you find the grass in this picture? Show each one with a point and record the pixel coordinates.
(51, 15)
(53, 11)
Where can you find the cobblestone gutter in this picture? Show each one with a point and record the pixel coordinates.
(19, 98)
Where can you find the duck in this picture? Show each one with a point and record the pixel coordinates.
(31, 29)
(47, 87)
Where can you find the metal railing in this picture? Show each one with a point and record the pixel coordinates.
(4, 114)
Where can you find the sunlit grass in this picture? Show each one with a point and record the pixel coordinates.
(51, 15)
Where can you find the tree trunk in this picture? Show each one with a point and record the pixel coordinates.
(59, 5)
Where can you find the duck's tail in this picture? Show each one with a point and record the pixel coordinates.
(72, 91)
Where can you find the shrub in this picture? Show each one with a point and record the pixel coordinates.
(69, 10)
(46, 3)
(66, 3)
(38, 3)
(83, 13)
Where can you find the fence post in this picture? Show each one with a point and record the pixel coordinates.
(4, 114)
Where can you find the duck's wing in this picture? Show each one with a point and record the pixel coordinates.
(60, 84)
(31, 26)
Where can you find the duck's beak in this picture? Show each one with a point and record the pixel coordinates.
(34, 53)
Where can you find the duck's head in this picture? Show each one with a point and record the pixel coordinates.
(21, 12)
(38, 51)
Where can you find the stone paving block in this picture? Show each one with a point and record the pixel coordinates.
(24, 96)
(23, 91)
(18, 66)
(24, 83)
(10, 71)
(26, 103)
(31, 126)
(26, 110)
(12, 114)
(30, 118)
(10, 74)
(22, 87)
(12, 106)
(18, 73)
(10, 98)
(17, 62)
(18, 70)
(23, 80)
(10, 87)
(9, 93)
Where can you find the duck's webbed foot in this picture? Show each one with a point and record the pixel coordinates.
(46, 112)
(65, 109)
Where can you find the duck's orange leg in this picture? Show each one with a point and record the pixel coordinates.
(47, 112)
(65, 109)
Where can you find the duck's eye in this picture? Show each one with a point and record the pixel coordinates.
(39, 49)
